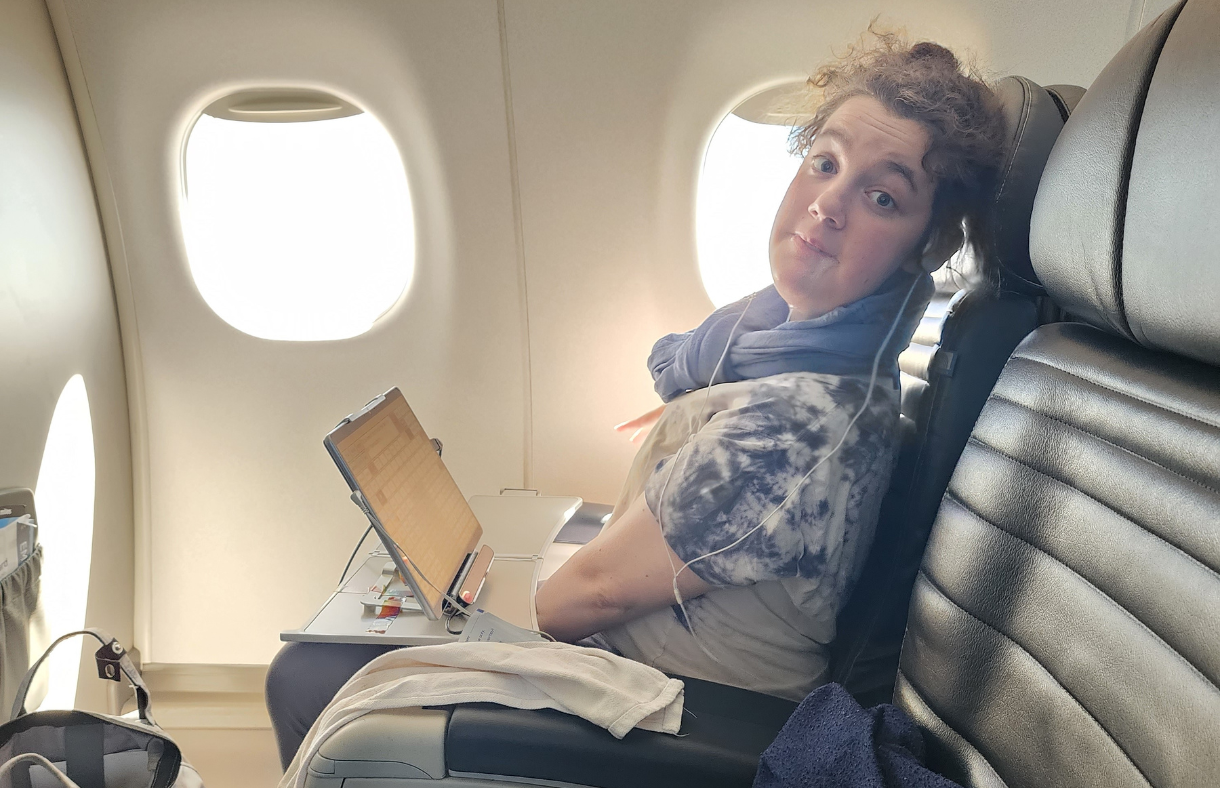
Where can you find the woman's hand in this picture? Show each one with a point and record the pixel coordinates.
(640, 425)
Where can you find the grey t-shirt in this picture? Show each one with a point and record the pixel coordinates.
(766, 624)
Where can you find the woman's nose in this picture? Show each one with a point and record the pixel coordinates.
(828, 207)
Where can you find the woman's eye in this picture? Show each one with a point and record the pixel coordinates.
(882, 199)
(822, 164)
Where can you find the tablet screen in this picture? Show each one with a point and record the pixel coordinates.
(389, 457)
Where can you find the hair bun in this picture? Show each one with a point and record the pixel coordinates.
(926, 50)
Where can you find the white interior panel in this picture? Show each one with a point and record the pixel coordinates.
(249, 521)
(614, 104)
(57, 314)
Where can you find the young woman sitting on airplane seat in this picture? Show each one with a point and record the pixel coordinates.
(760, 493)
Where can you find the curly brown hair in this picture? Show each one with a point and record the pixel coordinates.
(926, 83)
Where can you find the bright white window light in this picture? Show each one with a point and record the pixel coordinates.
(64, 502)
(746, 170)
(298, 231)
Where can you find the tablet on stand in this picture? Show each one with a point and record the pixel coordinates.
(402, 486)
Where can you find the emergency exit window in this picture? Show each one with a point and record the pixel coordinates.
(746, 170)
(297, 215)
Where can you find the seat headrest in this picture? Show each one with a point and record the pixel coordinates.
(1126, 233)
(1034, 120)
(1066, 98)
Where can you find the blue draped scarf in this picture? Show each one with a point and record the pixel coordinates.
(844, 341)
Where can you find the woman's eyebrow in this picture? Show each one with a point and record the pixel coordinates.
(837, 134)
(903, 170)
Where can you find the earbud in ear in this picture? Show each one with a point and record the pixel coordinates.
(939, 248)
(930, 261)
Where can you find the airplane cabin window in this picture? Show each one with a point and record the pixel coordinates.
(64, 500)
(746, 171)
(297, 215)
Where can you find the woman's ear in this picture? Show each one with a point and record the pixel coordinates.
(942, 244)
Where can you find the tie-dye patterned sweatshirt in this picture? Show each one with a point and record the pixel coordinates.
(751, 446)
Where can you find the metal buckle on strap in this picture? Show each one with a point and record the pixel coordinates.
(108, 657)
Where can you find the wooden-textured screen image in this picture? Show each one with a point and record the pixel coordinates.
(410, 490)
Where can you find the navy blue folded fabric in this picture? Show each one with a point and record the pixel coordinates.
(831, 742)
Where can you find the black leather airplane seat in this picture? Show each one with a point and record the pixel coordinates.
(953, 361)
(1065, 626)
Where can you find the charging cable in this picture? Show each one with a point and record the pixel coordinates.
(365, 535)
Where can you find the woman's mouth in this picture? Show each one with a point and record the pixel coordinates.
(810, 247)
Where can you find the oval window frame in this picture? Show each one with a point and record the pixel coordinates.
(291, 105)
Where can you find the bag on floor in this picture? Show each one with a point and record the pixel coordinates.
(84, 749)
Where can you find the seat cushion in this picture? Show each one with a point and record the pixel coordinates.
(724, 731)
(1065, 625)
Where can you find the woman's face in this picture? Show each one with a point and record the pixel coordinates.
(855, 211)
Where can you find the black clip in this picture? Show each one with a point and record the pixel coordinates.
(108, 657)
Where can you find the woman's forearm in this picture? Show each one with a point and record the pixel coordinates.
(625, 573)
(571, 607)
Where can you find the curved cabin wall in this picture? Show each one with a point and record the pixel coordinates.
(57, 313)
(248, 521)
(553, 182)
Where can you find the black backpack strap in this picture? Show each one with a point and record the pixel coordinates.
(85, 748)
(113, 663)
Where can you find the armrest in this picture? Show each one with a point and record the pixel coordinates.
(399, 743)
(724, 730)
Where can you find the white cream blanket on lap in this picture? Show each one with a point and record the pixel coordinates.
(608, 690)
